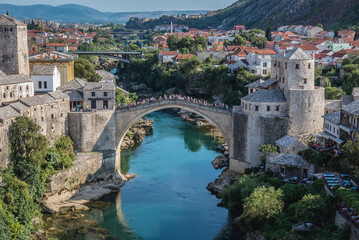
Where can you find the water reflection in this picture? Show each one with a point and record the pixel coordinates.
(168, 198)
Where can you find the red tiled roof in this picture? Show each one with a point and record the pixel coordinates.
(183, 56)
(307, 47)
(169, 53)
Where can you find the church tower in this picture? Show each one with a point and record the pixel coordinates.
(14, 58)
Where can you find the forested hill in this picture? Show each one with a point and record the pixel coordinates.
(261, 13)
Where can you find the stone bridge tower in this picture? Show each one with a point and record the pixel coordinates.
(295, 74)
(14, 58)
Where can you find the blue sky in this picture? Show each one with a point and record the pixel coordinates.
(134, 5)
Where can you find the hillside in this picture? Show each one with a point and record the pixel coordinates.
(78, 13)
(261, 13)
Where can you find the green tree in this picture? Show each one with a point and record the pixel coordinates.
(266, 149)
(320, 25)
(173, 42)
(292, 192)
(311, 208)
(350, 81)
(239, 41)
(27, 143)
(350, 157)
(263, 203)
(233, 196)
(269, 33)
(7, 13)
(84, 69)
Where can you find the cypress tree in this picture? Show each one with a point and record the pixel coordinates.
(269, 33)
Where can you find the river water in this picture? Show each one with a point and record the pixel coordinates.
(168, 198)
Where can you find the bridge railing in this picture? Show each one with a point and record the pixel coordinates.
(187, 103)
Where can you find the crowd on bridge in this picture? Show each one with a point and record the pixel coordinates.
(174, 97)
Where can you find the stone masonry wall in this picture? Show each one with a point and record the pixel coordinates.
(93, 131)
(250, 133)
(215, 55)
(306, 111)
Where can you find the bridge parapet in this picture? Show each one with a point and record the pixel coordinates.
(174, 102)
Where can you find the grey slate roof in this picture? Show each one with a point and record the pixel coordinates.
(57, 95)
(99, 86)
(286, 141)
(347, 99)
(333, 117)
(76, 84)
(291, 160)
(43, 70)
(268, 82)
(47, 98)
(33, 101)
(106, 75)
(255, 84)
(14, 79)
(295, 54)
(18, 106)
(266, 95)
(352, 108)
(8, 113)
(6, 20)
(75, 96)
(335, 105)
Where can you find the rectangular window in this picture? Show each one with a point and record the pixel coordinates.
(286, 65)
(264, 64)
(93, 104)
(296, 66)
(309, 66)
(256, 108)
(251, 90)
(45, 84)
(40, 85)
(105, 94)
(305, 81)
(278, 64)
(283, 79)
(277, 108)
(93, 94)
(268, 108)
(245, 106)
(264, 72)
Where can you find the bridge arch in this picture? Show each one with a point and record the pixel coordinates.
(125, 118)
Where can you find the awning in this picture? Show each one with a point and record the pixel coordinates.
(328, 136)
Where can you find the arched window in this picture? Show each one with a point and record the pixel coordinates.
(10, 94)
(4, 95)
(52, 116)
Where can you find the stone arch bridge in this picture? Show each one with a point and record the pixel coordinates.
(104, 130)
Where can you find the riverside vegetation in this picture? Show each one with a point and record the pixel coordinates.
(24, 181)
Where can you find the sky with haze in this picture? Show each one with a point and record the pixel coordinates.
(133, 5)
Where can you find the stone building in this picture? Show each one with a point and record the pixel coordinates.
(14, 58)
(288, 104)
(49, 111)
(64, 63)
(291, 165)
(99, 96)
(290, 145)
(295, 74)
(14, 87)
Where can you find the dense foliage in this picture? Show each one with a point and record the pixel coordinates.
(272, 206)
(121, 98)
(187, 44)
(212, 78)
(350, 157)
(84, 69)
(31, 163)
(263, 203)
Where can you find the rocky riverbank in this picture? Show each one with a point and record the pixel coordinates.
(137, 132)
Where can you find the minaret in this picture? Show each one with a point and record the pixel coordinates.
(14, 58)
(171, 27)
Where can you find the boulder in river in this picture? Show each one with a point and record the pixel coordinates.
(223, 180)
(220, 162)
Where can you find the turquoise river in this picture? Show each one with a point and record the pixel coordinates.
(168, 198)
